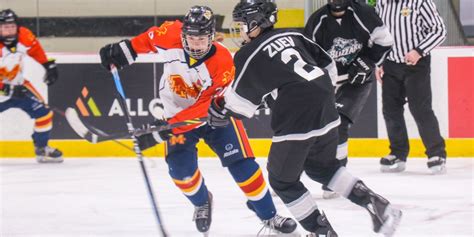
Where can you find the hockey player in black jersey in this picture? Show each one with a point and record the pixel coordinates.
(292, 71)
(356, 38)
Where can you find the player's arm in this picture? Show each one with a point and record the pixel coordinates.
(380, 40)
(379, 45)
(125, 52)
(36, 51)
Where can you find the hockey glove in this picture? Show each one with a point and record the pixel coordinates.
(13, 91)
(120, 54)
(360, 70)
(217, 113)
(149, 140)
(51, 75)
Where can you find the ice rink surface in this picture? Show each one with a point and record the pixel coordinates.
(107, 197)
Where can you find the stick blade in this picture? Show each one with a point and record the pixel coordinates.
(78, 126)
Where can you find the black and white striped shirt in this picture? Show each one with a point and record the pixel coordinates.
(414, 24)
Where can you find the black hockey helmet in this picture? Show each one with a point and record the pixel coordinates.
(8, 16)
(199, 21)
(255, 13)
(338, 5)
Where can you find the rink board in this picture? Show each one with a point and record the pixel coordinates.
(89, 89)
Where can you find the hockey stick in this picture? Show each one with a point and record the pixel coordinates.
(138, 152)
(95, 135)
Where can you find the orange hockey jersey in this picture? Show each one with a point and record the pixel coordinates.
(187, 85)
(11, 60)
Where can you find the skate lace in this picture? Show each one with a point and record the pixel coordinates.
(269, 225)
(201, 212)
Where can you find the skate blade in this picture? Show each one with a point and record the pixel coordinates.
(439, 169)
(395, 168)
(49, 160)
(390, 225)
(205, 234)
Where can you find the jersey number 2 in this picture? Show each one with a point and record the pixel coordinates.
(288, 54)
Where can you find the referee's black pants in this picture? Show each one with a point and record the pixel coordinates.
(401, 84)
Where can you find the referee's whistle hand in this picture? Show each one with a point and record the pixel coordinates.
(412, 57)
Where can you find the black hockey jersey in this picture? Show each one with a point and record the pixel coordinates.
(293, 70)
(359, 32)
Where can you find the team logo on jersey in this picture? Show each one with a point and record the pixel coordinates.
(228, 75)
(344, 50)
(161, 30)
(178, 139)
(405, 11)
(183, 90)
(91, 106)
(9, 74)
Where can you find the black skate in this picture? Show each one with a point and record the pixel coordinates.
(437, 164)
(385, 218)
(281, 224)
(48, 155)
(277, 223)
(392, 164)
(203, 216)
(324, 228)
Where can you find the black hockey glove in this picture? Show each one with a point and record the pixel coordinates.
(149, 140)
(13, 91)
(360, 70)
(120, 54)
(51, 75)
(217, 113)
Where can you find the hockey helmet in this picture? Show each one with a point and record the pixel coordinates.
(255, 13)
(338, 5)
(199, 21)
(8, 16)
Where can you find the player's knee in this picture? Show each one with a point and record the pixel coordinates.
(277, 184)
(324, 174)
(243, 167)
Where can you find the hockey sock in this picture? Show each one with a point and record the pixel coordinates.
(298, 200)
(249, 177)
(192, 186)
(343, 183)
(43, 126)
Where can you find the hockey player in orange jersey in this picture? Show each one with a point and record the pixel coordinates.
(16, 42)
(195, 69)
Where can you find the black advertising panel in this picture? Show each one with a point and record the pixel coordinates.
(90, 90)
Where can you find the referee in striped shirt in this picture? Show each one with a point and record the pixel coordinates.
(417, 28)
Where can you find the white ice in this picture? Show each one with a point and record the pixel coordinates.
(107, 197)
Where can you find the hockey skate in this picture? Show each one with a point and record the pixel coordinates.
(203, 216)
(281, 224)
(48, 154)
(437, 165)
(324, 228)
(392, 164)
(385, 218)
(277, 223)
